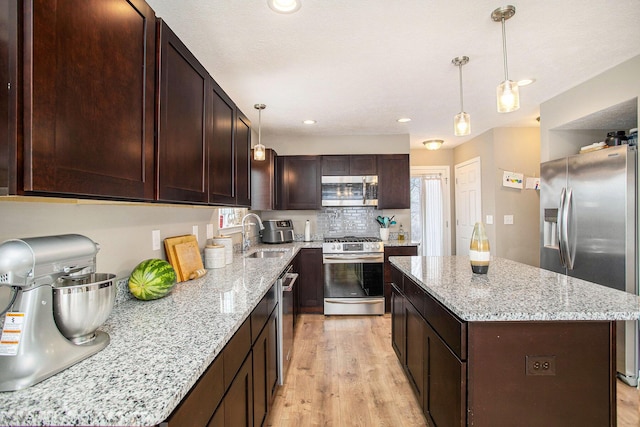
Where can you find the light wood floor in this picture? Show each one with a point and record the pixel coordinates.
(345, 373)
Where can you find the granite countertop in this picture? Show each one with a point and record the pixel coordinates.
(512, 291)
(158, 350)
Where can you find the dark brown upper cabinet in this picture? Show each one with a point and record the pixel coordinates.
(89, 74)
(344, 165)
(182, 113)
(221, 151)
(393, 181)
(10, 156)
(243, 160)
(263, 181)
(298, 182)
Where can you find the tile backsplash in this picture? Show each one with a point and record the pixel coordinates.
(342, 221)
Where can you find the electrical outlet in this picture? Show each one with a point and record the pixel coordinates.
(508, 219)
(489, 219)
(155, 240)
(194, 231)
(541, 365)
(209, 231)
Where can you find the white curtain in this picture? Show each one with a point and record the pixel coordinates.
(427, 218)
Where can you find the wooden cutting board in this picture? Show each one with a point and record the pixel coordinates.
(169, 248)
(189, 259)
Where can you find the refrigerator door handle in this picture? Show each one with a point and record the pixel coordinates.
(569, 258)
(560, 227)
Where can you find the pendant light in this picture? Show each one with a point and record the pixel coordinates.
(462, 120)
(258, 149)
(508, 96)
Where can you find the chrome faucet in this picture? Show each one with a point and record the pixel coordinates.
(246, 240)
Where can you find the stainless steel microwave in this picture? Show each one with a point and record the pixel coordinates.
(350, 190)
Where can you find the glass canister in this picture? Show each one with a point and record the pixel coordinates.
(479, 253)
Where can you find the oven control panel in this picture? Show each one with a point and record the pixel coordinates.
(352, 248)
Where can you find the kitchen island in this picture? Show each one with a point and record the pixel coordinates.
(517, 346)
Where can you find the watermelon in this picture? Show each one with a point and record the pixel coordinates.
(152, 279)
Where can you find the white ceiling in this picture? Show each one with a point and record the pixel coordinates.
(356, 66)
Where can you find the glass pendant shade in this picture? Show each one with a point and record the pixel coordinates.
(508, 96)
(258, 149)
(462, 124)
(258, 152)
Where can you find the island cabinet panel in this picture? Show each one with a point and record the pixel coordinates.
(398, 336)
(393, 181)
(388, 271)
(182, 115)
(221, 154)
(416, 334)
(243, 160)
(89, 73)
(502, 357)
(311, 281)
(298, 182)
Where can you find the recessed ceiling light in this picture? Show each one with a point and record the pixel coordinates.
(284, 6)
(403, 120)
(525, 82)
(309, 122)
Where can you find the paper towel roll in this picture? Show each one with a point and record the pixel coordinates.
(214, 256)
(307, 231)
(228, 246)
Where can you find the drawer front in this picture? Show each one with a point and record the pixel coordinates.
(452, 330)
(414, 294)
(236, 351)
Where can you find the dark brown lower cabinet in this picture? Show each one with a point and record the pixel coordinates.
(311, 281)
(502, 373)
(387, 270)
(238, 402)
(265, 370)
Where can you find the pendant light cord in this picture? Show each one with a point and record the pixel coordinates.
(504, 50)
(260, 126)
(461, 102)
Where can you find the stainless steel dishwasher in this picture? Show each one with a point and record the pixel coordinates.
(285, 320)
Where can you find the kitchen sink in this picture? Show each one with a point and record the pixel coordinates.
(267, 254)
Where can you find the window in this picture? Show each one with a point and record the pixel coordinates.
(230, 217)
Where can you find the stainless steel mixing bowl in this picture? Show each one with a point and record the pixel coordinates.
(82, 303)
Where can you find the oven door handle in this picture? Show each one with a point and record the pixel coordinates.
(354, 257)
(352, 301)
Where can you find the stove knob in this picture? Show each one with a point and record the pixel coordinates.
(334, 247)
(377, 245)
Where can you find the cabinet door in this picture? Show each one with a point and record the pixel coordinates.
(221, 155)
(265, 369)
(363, 165)
(89, 100)
(182, 113)
(415, 328)
(335, 165)
(311, 281)
(393, 181)
(299, 179)
(445, 386)
(272, 356)
(263, 187)
(388, 268)
(10, 145)
(243, 160)
(238, 403)
(398, 324)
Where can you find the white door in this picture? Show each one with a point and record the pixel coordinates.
(468, 203)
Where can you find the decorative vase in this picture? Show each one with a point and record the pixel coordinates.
(479, 254)
(384, 234)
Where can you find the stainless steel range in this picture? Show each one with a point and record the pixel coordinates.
(353, 278)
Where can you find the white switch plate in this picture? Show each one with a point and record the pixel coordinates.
(194, 231)
(489, 219)
(155, 240)
(209, 231)
(508, 219)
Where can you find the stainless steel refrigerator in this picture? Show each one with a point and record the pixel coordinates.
(588, 224)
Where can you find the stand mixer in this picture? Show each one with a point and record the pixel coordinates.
(57, 303)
